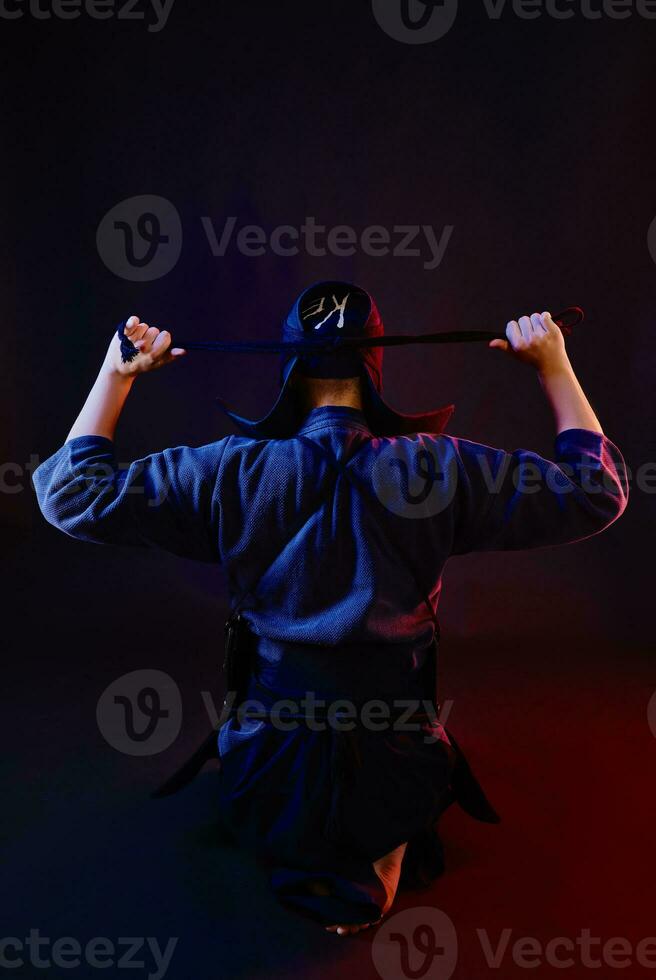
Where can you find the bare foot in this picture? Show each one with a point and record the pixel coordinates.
(388, 869)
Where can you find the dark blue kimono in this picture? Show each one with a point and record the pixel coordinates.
(335, 611)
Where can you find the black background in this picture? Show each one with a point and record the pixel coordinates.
(534, 139)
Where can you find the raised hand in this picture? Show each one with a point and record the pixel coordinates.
(154, 348)
(539, 341)
(535, 340)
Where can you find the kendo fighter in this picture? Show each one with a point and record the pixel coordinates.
(333, 517)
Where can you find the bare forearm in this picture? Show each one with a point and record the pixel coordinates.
(103, 407)
(568, 401)
(537, 340)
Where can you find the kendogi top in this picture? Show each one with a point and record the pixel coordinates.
(316, 518)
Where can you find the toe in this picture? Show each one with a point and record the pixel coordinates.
(348, 930)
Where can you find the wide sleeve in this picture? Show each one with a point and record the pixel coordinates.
(169, 500)
(510, 501)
